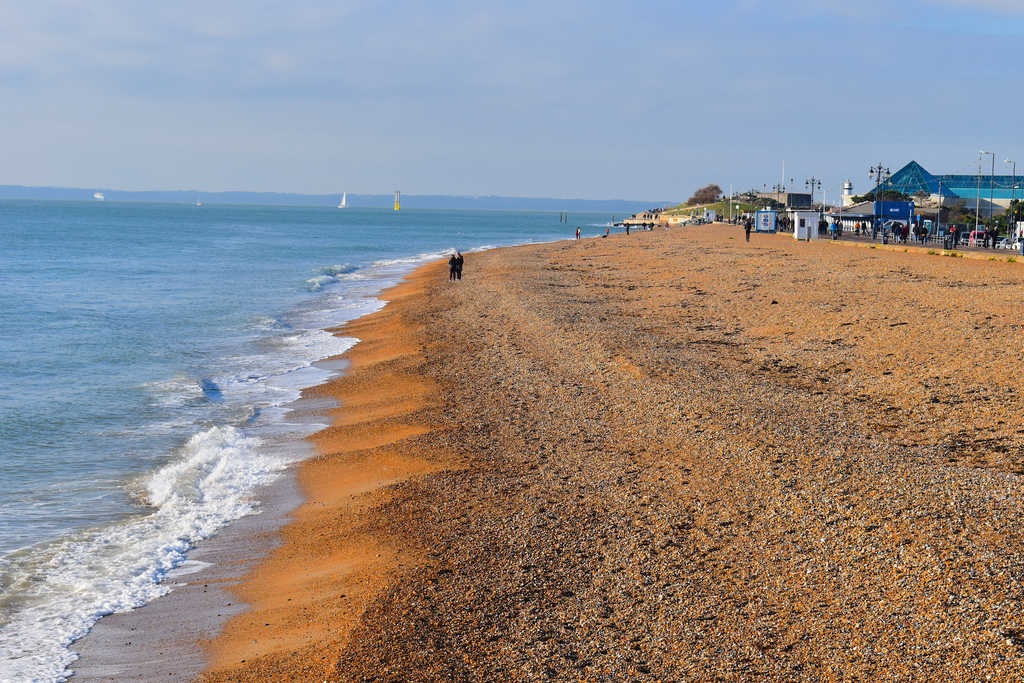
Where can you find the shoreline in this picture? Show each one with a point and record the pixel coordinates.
(265, 365)
(161, 640)
(377, 400)
(168, 636)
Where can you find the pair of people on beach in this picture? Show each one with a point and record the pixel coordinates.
(455, 266)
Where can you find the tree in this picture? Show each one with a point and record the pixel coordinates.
(887, 196)
(708, 194)
(1015, 211)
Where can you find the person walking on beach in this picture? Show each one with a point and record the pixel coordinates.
(459, 260)
(746, 228)
(577, 232)
(453, 267)
(607, 231)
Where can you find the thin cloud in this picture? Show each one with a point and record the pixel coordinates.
(1002, 6)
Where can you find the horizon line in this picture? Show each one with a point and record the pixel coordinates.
(387, 195)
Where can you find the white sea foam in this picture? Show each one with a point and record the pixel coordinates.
(329, 274)
(174, 392)
(64, 588)
(412, 260)
(54, 594)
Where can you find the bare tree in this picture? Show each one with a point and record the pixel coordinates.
(705, 195)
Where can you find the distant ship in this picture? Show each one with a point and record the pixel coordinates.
(197, 202)
(344, 201)
(98, 196)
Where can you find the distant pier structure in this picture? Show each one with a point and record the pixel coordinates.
(644, 219)
(398, 200)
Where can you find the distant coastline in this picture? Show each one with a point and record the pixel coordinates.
(409, 201)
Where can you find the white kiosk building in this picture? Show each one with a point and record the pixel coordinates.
(805, 224)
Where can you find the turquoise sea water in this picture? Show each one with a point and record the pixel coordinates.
(147, 352)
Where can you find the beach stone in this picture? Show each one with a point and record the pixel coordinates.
(648, 467)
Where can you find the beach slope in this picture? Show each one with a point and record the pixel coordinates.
(673, 455)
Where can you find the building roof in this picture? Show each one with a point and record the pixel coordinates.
(859, 210)
(913, 178)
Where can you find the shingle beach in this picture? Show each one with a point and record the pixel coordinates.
(667, 456)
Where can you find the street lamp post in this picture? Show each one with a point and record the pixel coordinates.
(977, 199)
(877, 173)
(991, 182)
(1012, 222)
(841, 196)
(811, 183)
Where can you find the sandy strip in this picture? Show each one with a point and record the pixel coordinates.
(308, 595)
(672, 455)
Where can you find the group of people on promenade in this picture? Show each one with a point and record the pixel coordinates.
(986, 237)
(455, 266)
(904, 233)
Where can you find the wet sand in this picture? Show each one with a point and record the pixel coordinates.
(672, 455)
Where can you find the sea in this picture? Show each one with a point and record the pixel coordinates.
(148, 357)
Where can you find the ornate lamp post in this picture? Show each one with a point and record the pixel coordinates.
(1013, 199)
(812, 183)
(879, 174)
(991, 183)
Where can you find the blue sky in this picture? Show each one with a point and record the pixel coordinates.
(644, 100)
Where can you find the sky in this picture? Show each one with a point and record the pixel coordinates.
(599, 100)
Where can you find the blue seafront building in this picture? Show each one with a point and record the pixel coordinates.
(895, 211)
(878, 214)
(913, 178)
(991, 193)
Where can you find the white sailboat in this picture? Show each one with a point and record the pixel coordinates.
(98, 196)
(343, 204)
